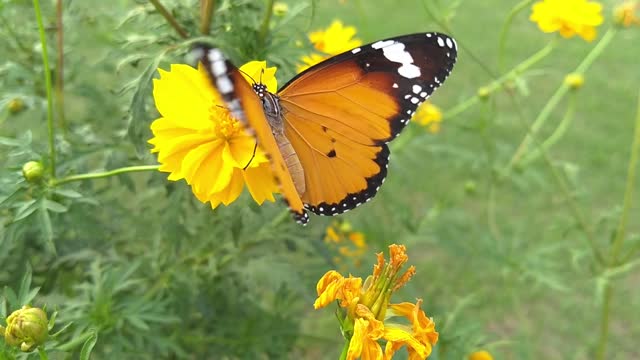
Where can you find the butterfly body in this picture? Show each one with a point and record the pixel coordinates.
(326, 131)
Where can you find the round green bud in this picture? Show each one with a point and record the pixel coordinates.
(15, 105)
(33, 171)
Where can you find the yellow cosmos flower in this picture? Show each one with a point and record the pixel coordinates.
(626, 14)
(569, 17)
(333, 40)
(367, 317)
(429, 116)
(198, 140)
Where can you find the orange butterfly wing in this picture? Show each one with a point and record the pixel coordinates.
(340, 114)
(246, 106)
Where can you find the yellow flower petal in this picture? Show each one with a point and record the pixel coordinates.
(260, 182)
(569, 17)
(257, 71)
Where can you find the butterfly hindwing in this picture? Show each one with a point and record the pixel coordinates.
(340, 114)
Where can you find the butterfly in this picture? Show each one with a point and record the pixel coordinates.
(326, 130)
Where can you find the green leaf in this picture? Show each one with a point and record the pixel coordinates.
(71, 194)
(138, 118)
(27, 208)
(54, 206)
(85, 353)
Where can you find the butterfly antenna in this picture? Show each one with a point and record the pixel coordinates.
(249, 76)
(255, 147)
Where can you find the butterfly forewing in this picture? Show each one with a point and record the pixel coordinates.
(340, 114)
(246, 106)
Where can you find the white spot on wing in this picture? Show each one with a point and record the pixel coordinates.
(355, 51)
(440, 42)
(449, 43)
(395, 85)
(382, 43)
(224, 85)
(416, 89)
(414, 100)
(397, 53)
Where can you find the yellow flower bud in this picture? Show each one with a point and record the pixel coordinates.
(26, 328)
(484, 93)
(280, 9)
(574, 80)
(32, 171)
(15, 105)
(480, 355)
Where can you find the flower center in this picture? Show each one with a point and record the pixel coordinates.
(224, 125)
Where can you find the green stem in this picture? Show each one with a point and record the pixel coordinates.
(618, 241)
(47, 81)
(562, 90)
(206, 14)
(345, 350)
(170, 19)
(264, 28)
(60, 67)
(628, 194)
(601, 350)
(496, 84)
(105, 174)
(43, 353)
(505, 28)
(555, 137)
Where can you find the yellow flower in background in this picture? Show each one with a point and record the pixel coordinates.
(626, 14)
(198, 140)
(480, 355)
(428, 116)
(333, 40)
(574, 80)
(345, 244)
(569, 17)
(367, 316)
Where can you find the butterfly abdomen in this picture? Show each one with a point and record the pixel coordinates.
(292, 161)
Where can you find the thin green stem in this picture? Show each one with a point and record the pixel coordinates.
(60, 67)
(505, 29)
(496, 84)
(206, 14)
(601, 349)
(170, 19)
(621, 231)
(558, 133)
(105, 174)
(618, 241)
(345, 350)
(562, 90)
(264, 28)
(43, 353)
(47, 81)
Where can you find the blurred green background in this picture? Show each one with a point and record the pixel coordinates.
(502, 265)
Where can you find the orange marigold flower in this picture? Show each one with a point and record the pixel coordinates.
(569, 17)
(198, 140)
(368, 317)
